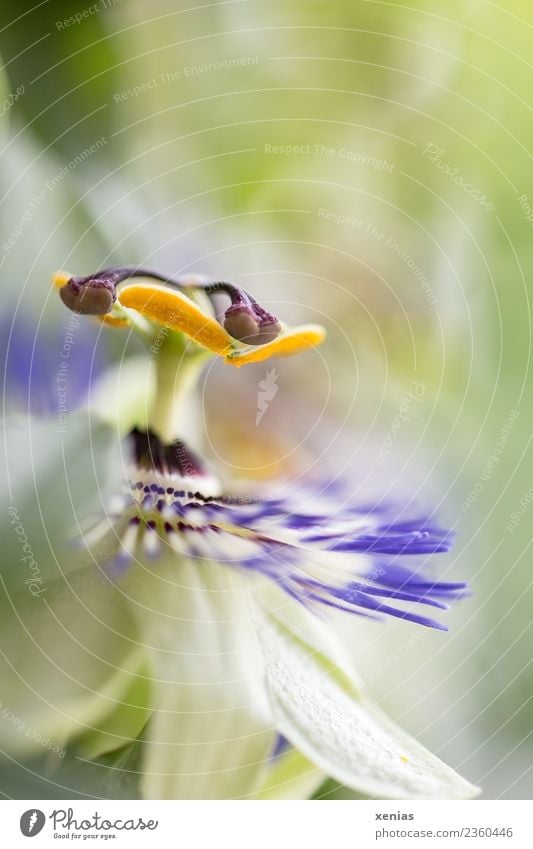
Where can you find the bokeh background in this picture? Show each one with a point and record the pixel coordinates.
(367, 164)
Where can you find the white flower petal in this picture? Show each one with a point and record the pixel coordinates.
(211, 732)
(343, 734)
(51, 479)
(125, 722)
(302, 624)
(66, 661)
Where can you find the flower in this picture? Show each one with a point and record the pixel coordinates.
(221, 645)
(171, 501)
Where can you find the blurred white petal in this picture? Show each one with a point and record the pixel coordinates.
(67, 659)
(211, 733)
(343, 734)
(292, 776)
(53, 475)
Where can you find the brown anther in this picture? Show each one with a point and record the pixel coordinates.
(88, 296)
(241, 324)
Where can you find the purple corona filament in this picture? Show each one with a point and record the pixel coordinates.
(296, 537)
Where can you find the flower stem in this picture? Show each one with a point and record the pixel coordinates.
(177, 369)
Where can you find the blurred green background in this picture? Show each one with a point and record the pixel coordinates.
(366, 164)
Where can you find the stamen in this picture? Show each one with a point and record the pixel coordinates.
(239, 321)
(269, 326)
(96, 294)
(92, 296)
(245, 320)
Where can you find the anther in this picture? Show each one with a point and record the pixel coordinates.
(88, 296)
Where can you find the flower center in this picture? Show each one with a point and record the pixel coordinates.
(174, 459)
(168, 469)
(161, 504)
